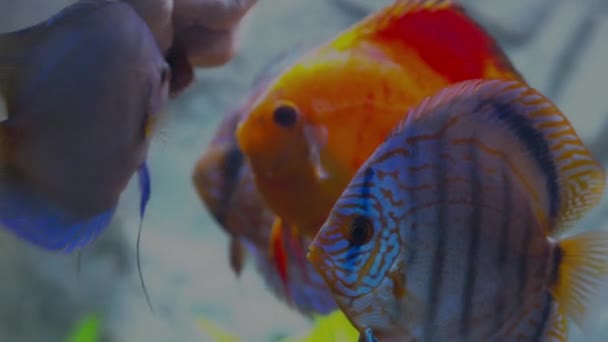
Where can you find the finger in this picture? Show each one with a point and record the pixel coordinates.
(208, 48)
(218, 15)
(158, 15)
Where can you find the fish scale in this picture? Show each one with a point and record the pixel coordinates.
(429, 214)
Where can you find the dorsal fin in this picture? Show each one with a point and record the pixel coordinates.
(574, 180)
(273, 69)
(386, 17)
(441, 33)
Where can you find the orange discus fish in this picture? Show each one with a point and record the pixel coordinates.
(451, 230)
(320, 119)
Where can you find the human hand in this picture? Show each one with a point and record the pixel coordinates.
(199, 33)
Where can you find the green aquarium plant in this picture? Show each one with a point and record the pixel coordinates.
(334, 327)
(215, 332)
(86, 330)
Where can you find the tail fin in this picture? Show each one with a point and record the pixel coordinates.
(582, 269)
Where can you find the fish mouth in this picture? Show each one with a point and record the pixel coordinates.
(316, 256)
(319, 259)
(322, 263)
(355, 304)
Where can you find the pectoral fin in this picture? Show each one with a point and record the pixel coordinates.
(317, 140)
(277, 249)
(367, 336)
(237, 256)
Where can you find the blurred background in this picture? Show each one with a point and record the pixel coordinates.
(560, 46)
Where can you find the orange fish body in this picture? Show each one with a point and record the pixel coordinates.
(450, 231)
(319, 120)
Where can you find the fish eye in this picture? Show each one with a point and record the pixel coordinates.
(361, 231)
(285, 115)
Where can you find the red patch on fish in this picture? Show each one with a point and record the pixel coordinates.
(279, 254)
(447, 40)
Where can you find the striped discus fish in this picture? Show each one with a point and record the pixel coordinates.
(449, 232)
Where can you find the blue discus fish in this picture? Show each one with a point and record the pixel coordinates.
(80, 93)
(453, 229)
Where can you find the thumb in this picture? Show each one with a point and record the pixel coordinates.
(158, 15)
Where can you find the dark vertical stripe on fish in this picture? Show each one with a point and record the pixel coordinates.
(544, 319)
(231, 168)
(365, 190)
(503, 241)
(522, 274)
(536, 145)
(438, 261)
(472, 255)
(412, 177)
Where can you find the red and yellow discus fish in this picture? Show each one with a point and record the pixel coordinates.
(319, 120)
(452, 229)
